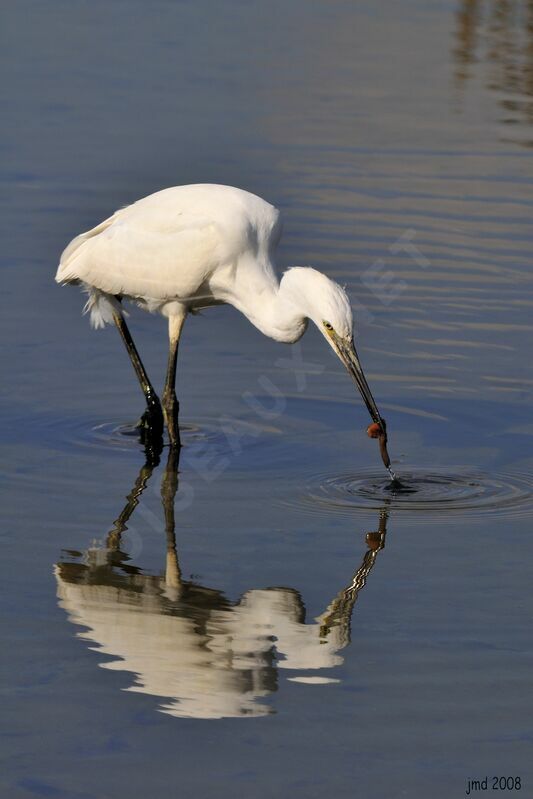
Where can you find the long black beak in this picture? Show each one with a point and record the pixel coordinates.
(349, 357)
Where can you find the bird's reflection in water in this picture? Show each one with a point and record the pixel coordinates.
(206, 656)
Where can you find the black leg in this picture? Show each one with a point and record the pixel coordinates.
(170, 401)
(151, 422)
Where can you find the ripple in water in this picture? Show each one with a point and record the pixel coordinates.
(127, 435)
(66, 433)
(208, 432)
(435, 493)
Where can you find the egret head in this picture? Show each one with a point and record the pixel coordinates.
(327, 305)
(319, 299)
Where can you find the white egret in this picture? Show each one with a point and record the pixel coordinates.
(189, 247)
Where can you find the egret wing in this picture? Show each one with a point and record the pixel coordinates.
(139, 258)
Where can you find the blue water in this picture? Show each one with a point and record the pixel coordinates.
(298, 629)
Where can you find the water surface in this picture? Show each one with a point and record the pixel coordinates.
(272, 618)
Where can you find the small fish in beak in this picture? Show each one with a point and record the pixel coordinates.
(378, 429)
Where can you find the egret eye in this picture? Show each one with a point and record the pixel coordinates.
(328, 326)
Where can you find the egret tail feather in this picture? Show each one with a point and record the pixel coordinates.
(101, 307)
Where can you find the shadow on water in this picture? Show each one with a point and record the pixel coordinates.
(188, 643)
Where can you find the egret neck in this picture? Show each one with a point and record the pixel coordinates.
(282, 312)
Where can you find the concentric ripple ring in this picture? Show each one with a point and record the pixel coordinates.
(435, 493)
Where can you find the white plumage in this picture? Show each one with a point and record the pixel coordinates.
(189, 247)
(197, 246)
